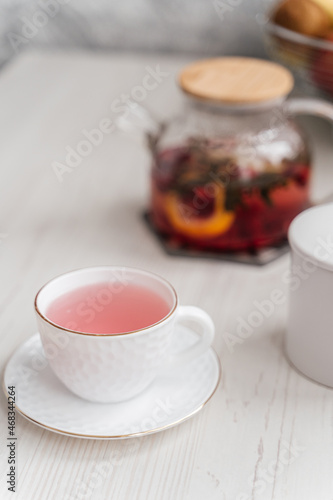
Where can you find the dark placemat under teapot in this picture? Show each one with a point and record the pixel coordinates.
(257, 258)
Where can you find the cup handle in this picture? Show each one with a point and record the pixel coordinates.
(206, 330)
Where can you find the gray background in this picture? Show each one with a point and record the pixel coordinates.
(197, 26)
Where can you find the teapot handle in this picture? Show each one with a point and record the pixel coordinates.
(316, 107)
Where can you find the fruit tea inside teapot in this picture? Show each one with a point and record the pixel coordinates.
(233, 170)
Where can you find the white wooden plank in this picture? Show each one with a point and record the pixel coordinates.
(263, 412)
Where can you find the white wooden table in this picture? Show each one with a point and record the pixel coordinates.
(268, 431)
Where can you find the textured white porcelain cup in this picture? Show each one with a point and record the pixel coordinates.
(309, 338)
(112, 368)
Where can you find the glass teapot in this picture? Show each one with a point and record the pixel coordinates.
(232, 171)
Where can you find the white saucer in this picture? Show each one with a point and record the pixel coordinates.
(171, 399)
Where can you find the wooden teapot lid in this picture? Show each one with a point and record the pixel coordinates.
(236, 80)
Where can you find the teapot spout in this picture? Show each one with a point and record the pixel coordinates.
(140, 125)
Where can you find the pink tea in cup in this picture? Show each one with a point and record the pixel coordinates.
(101, 309)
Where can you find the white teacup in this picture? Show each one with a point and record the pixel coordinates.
(116, 367)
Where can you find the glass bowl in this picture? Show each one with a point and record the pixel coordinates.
(309, 59)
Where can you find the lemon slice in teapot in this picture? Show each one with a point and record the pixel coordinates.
(194, 224)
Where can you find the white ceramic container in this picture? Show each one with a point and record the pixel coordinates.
(309, 338)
